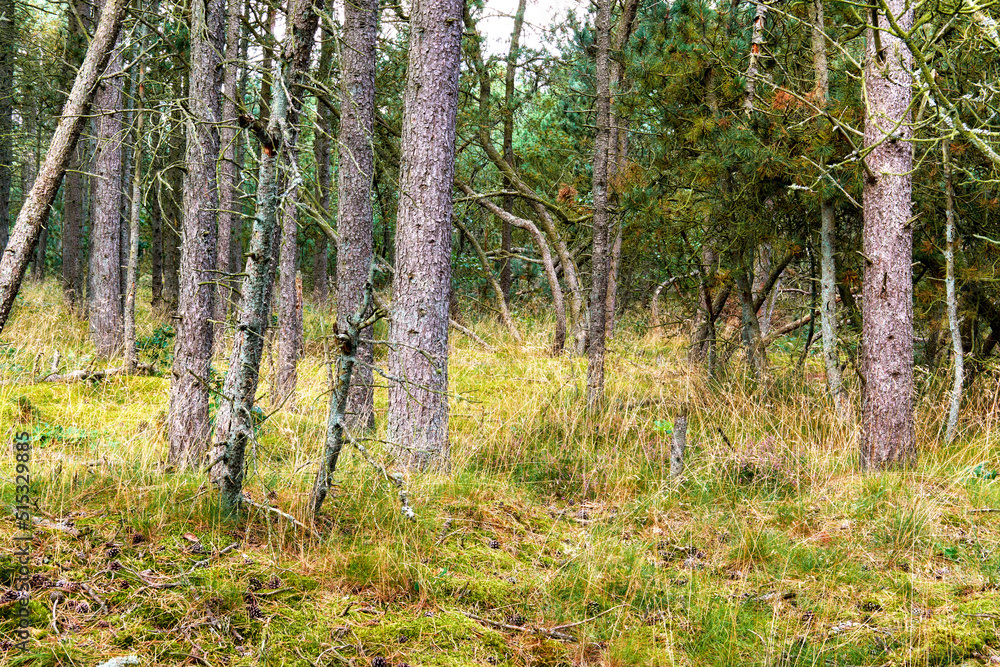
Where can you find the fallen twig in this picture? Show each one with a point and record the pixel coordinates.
(86, 375)
(284, 515)
(548, 632)
(587, 620)
(985, 510)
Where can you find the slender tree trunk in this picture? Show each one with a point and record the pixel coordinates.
(8, 49)
(484, 261)
(418, 332)
(132, 271)
(355, 220)
(235, 421)
(155, 243)
(72, 271)
(752, 338)
(887, 428)
(289, 304)
(104, 297)
(756, 51)
(828, 224)
(229, 175)
(189, 394)
(506, 230)
(951, 297)
(602, 212)
(36, 207)
(321, 152)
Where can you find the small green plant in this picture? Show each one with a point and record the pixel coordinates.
(156, 346)
(663, 426)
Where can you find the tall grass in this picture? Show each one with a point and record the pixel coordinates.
(770, 550)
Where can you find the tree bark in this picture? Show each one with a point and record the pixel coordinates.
(8, 49)
(602, 211)
(951, 298)
(188, 425)
(887, 427)
(828, 224)
(132, 271)
(354, 213)
(229, 172)
(418, 332)
(321, 153)
(234, 425)
(36, 207)
(104, 296)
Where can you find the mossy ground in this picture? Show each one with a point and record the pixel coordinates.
(771, 551)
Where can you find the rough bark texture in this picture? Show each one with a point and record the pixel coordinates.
(354, 214)
(602, 212)
(235, 421)
(132, 270)
(229, 173)
(8, 47)
(104, 296)
(678, 443)
(304, 22)
(321, 153)
(188, 420)
(38, 203)
(887, 429)
(951, 299)
(72, 270)
(418, 332)
(828, 223)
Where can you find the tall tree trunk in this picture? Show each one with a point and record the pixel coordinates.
(188, 420)
(951, 298)
(235, 421)
(828, 223)
(321, 153)
(229, 176)
(619, 149)
(354, 209)
(72, 271)
(132, 270)
(418, 333)
(8, 49)
(887, 428)
(104, 297)
(290, 303)
(36, 207)
(506, 230)
(155, 242)
(602, 212)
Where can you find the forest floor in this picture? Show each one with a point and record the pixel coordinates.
(556, 538)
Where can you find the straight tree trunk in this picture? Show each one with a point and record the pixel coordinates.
(235, 420)
(290, 304)
(229, 175)
(104, 298)
(506, 230)
(602, 211)
(321, 153)
(188, 424)
(828, 224)
(951, 298)
(418, 332)
(155, 244)
(355, 220)
(38, 203)
(72, 271)
(887, 428)
(8, 49)
(132, 270)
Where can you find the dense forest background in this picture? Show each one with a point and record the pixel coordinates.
(412, 333)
